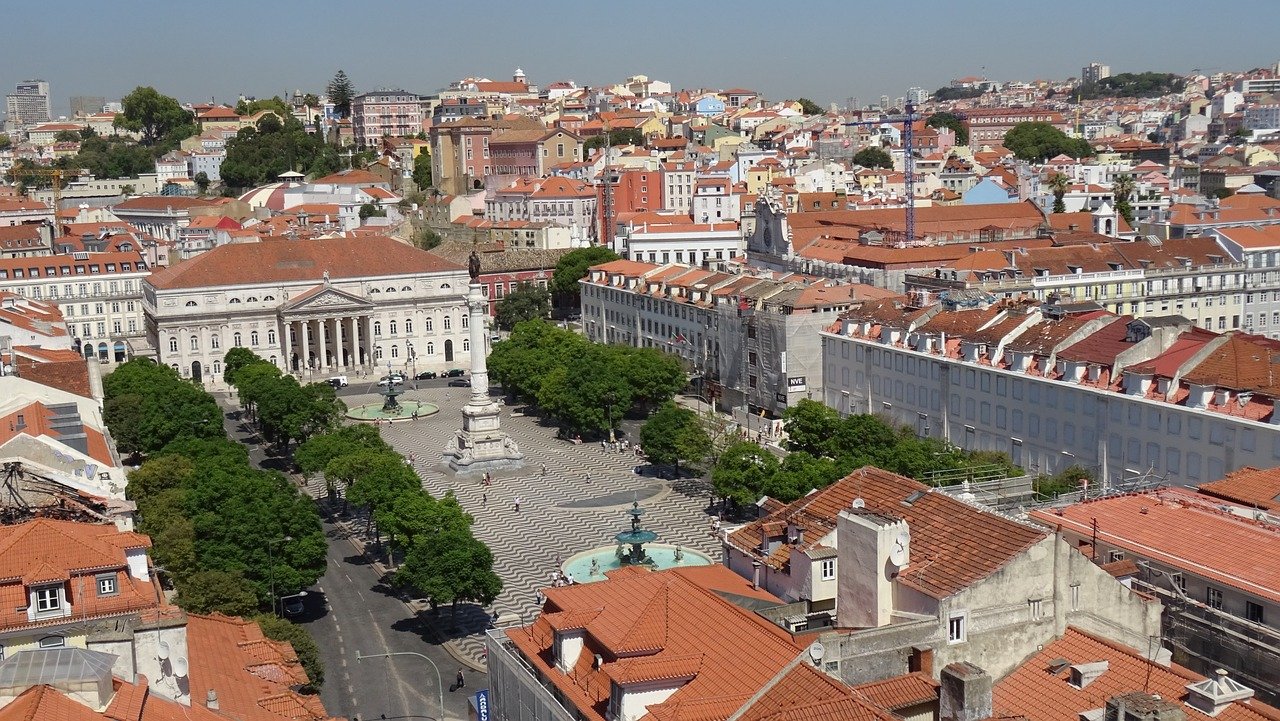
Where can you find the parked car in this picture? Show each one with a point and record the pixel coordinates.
(425, 376)
(454, 373)
(293, 605)
(460, 382)
(390, 380)
(338, 381)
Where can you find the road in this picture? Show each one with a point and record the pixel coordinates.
(350, 610)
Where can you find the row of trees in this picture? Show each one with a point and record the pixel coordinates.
(230, 537)
(443, 561)
(583, 385)
(825, 447)
(260, 154)
(283, 409)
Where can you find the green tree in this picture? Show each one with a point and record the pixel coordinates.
(259, 155)
(1122, 187)
(653, 376)
(66, 136)
(810, 427)
(573, 267)
(451, 568)
(1039, 141)
(226, 592)
(341, 91)
(873, 157)
(304, 644)
(1132, 85)
(1060, 184)
(315, 453)
(126, 416)
(950, 93)
(623, 136)
(149, 112)
(310, 100)
(414, 515)
(1068, 480)
(673, 435)
(425, 238)
(246, 108)
(534, 348)
(526, 302)
(376, 478)
(422, 171)
(5, 141)
(202, 182)
(951, 121)
(234, 360)
(370, 210)
(808, 107)
(745, 470)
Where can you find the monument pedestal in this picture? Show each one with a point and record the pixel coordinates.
(480, 445)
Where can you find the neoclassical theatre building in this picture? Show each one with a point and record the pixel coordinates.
(312, 307)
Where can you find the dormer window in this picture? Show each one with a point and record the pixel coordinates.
(48, 600)
(107, 584)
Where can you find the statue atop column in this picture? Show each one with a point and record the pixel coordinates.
(473, 266)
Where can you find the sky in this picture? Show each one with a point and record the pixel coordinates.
(826, 50)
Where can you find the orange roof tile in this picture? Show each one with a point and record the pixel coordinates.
(1258, 488)
(1037, 693)
(899, 692)
(1183, 530)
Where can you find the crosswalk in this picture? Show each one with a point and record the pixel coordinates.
(577, 505)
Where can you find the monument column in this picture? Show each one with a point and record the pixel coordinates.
(287, 346)
(305, 361)
(368, 335)
(324, 343)
(481, 444)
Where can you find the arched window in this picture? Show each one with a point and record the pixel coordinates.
(392, 325)
(405, 289)
(271, 337)
(173, 345)
(214, 343)
(217, 368)
(251, 299)
(429, 328)
(235, 341)
(395, 351)
(268, 297)
(466, 344)
(464, 320)
(391, 289)
(374, 290)
(174, 366)
(273, 361)
(253, 338)
(431, 349)
(377, 352)
(377, 327)
(447, 322)
(195, 343)
(235, 300)
(191, 304)
(408, 326)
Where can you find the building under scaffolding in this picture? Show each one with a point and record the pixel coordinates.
(27, 493)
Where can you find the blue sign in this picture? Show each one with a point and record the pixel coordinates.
(482, 705)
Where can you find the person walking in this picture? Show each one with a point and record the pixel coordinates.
(461, 682)
(544, 469)
(484, 500)
(588, 478)
(517, 504)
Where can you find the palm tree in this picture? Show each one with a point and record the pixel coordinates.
(1059, 183)
(1122, 188)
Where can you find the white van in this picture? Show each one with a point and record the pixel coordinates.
(338, 381)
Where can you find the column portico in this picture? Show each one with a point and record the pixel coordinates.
(305, 363)
(323, 357)
(339, 359)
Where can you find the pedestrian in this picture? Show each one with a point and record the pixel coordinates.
(544, 469)
(538, 597)
(517, 504)
(462, 682)
(484, 501)
(568, 579)
(604, 445)
(588, 478)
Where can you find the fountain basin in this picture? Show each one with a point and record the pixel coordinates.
(403, 411)
(659, 556)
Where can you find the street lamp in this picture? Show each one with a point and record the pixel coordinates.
(271, 567)
(439, 682)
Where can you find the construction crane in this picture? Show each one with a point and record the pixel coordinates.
(55, 174)
(907, 121)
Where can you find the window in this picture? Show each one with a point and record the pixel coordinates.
(1213, 597)
(52, 642)
(1113, 556)
(195, 343)
(466, 345)
(253, 339)
(464, 321)
(1036, 608)
(235, 340)
(828, 569)
(391, 325)
(213, 342)
(431, 349)
(395, 351)
(1253, 611)
(430, 328)
(48, 599)
(271, 337)
(956, 628)
(107, 584)
(448, 322)
(408, 326)
(377, 327)
(173, 345)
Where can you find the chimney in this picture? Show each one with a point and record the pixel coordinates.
(921, 660)
(1141, 706)
(1212, 695)
(211, 700)
(755, 575)
(965, 694)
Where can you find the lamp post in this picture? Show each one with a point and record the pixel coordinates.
(271, 568)
(439, 681)
(413, 363)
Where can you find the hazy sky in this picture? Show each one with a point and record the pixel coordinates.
(824, 50)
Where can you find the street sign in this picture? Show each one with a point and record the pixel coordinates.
(482, 705)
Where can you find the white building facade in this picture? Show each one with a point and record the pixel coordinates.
(312, 308)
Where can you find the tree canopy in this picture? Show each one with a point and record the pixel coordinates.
(148, 407)
(274, 104)
(341, 91)
(825, 447)
(450, 568)
(624, 136)
(422, 171)
(573, 268)
(808, 107)
(1039, 141)
(674, 435)
(951, 121)
(873, 157)
(147, 111)
(950, 93)
(526, 302)
(259, 155)
(1132, 85)
(283, 409)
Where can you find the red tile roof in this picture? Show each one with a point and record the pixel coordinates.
(1258, 488)
(293, 261)
(1183, 530)
(899, 692)
(955, 543)
(1038, 694)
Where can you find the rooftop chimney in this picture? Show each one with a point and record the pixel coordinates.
(965, 694)
(211, 699)
(1214, 694)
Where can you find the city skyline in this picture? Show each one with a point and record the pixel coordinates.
(186, 52)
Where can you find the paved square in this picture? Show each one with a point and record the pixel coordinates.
(560, 514)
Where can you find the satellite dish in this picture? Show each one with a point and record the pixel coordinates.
(859, 503)
(816, 652)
